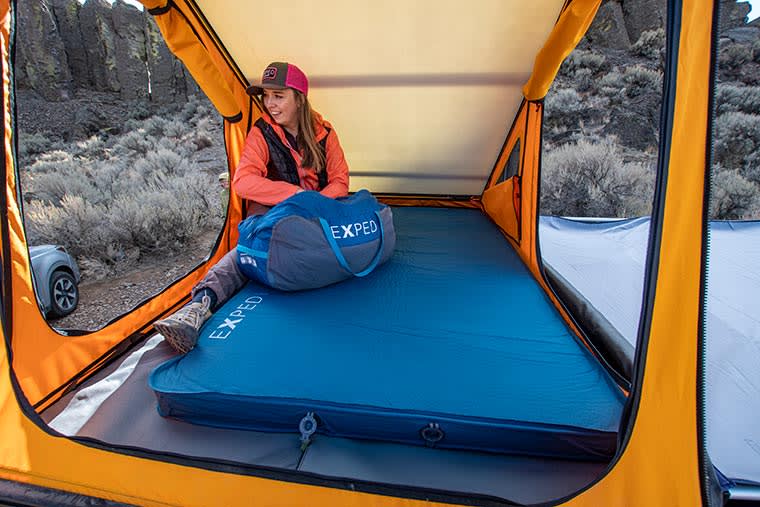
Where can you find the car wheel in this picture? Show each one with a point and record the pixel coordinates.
(64, 294)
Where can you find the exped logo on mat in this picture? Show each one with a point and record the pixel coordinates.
(366, 228)
(235, 317)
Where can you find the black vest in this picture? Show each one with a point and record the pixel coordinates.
(282, 165)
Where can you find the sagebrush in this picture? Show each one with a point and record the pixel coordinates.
(112, 200)
(591, 179)
(599, 95)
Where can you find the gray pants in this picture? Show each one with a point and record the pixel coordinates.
(224, 278)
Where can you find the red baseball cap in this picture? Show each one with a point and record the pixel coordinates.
(278, 76)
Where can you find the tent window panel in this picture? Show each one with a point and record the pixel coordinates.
(600, 142)
(119, 157)
(512, 166)
(731, 328)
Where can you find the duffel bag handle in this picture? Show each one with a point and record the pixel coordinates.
(339, 254)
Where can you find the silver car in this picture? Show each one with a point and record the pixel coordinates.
(56, 279)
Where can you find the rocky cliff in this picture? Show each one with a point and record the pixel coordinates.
(619, 24)
(63, 46)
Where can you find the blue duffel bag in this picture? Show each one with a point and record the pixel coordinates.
(310, 241)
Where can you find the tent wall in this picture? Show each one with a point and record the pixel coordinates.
(420, 95)
(660, 460)
(661, 456)
(502, 198)
(567, 33)
(45, 360)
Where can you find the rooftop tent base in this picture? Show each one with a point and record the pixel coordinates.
(659, 461)
(458, 361)
(127, 418)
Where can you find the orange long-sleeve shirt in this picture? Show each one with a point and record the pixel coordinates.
(250, 181)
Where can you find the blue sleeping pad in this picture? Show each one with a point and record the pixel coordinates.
(452, 343)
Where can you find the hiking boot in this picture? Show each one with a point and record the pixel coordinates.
(181, 328)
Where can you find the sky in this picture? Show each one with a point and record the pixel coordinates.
(752, 15)
(755, 12)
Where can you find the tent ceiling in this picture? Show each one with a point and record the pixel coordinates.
(421, 92)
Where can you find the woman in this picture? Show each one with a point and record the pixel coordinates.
(291, 148)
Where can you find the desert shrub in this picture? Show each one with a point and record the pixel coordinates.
(562, 108)
(731, 58)
(161, 162)
(154, 126)
(203, 108)
(162, 219)
(114, 210)
(92, 147)
(75, 223)
(48, 161)
(193, 108)
(612, 79)
(752, 167)
(159, 216)
(52, 188)
(136, 141)
(611, 84)
(582, 59)
(189, 132)
(51, 181)
(205, 131)
(650, 45)
(184, 148)
(114, 178)
(139, 111)
(639, 80)
(730, 98)
(175, 129)
(591, 179)
(32, 144)
(114, 199)
(189, 110)
(584, 80)
(736, 137)
(133, 125)
(732, 196)
(202, 140)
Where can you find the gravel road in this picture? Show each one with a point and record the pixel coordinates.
(101, 301)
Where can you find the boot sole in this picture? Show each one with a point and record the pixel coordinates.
(181, 338)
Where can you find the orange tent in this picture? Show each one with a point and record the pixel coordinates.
(661, 458)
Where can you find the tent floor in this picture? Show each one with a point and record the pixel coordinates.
(127, 417)
(118, 407)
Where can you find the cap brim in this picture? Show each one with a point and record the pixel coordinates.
(258, 89)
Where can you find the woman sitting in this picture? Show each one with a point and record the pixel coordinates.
(291, 148)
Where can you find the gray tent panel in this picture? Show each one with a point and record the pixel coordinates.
(604, 260)
(117, 407)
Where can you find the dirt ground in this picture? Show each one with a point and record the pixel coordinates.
(101, 301)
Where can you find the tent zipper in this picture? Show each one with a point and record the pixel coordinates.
(708, 480)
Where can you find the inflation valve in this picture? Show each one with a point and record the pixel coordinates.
(307, 427)
(432, 434)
